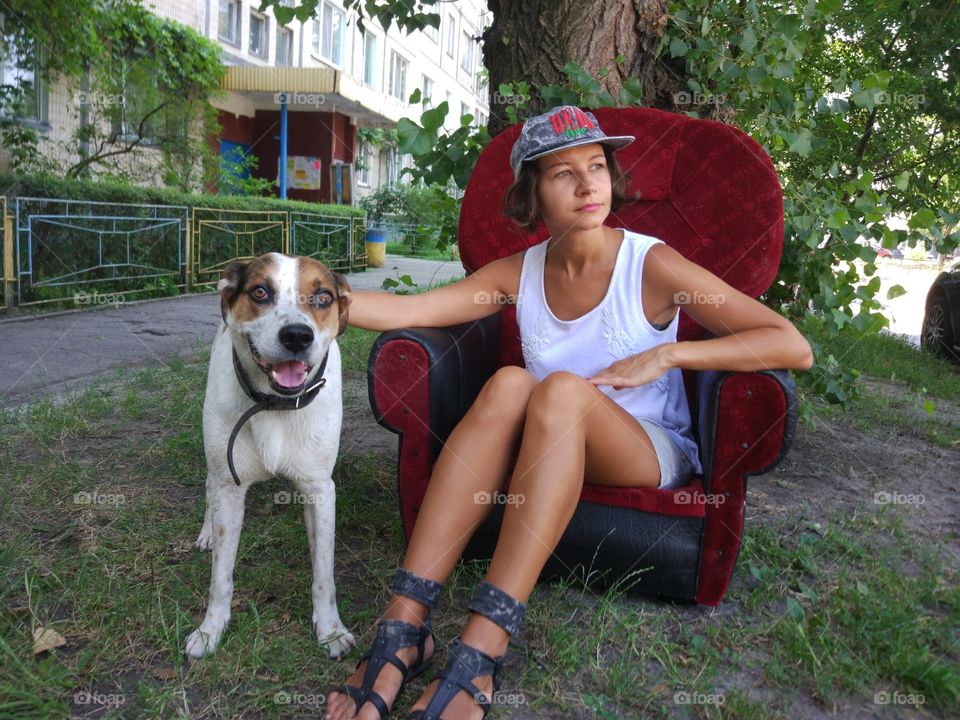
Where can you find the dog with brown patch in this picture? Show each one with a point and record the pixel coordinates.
(273, 407)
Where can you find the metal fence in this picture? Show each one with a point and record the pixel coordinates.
(56, 250)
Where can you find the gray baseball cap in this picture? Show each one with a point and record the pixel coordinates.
(558, 129)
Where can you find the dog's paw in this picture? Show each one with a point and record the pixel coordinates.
(204, 539)
(201, 643)
(337, 639)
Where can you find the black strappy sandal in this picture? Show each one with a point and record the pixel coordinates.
(393, 635)
(465, 662)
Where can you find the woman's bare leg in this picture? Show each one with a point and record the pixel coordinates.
(571, 430)
(475, 459)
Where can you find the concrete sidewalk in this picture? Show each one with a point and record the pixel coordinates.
(47, 355)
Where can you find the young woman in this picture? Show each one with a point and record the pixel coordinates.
(601, 399)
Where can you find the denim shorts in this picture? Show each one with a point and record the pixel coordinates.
(676, 470)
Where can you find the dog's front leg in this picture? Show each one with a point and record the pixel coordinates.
(226, 508)
(319, 512)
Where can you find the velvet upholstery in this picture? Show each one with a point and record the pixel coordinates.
(709, 191)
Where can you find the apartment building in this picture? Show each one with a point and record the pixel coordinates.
(335, 79)
(329, 79)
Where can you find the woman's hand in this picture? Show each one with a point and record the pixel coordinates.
(636, 370)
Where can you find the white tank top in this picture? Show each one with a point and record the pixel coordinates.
(616, 328)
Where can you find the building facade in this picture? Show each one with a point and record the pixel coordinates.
(339, 85)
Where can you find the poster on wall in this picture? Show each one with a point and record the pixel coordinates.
(303, 173)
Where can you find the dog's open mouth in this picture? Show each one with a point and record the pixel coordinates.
(287, 377)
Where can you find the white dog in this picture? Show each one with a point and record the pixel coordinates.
(274, 384)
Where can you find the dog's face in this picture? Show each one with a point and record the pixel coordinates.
(283, 312)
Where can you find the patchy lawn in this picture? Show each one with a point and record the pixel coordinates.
(845, 601)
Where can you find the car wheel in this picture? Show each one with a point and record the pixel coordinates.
(936, 334)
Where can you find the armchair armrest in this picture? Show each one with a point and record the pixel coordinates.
(421, 382)
(759, 421)
(757, 413)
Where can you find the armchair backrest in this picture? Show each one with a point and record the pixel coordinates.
(706, 189)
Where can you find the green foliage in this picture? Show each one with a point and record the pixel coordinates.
(409, 15)
(135, 79)
(45, 186)
(430, 212)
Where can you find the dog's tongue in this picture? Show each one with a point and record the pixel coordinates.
(290, 374)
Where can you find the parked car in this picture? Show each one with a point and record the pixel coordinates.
(941, 321)
(884, 253)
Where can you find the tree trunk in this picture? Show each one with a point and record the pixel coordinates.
(532, 40)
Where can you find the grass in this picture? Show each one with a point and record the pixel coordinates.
(902, 391)
(830, 610)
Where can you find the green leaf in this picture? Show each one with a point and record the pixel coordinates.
(413, 139)
(929, 407)
(705, 26)
(414, 97)
(678, 48)
(922, 219)
(895, 292)
(748, 43)
(794, 610)
(902, 180)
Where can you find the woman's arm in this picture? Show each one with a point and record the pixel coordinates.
(750, 336)
(482, 293)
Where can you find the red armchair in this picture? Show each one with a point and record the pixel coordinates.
(710, 192)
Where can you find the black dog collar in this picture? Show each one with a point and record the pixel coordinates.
(268, 402)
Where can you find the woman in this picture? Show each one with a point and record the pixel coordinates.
(587, 295)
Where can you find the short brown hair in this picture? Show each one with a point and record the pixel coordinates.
(520, 201)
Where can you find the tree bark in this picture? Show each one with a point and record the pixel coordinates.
(531, 41)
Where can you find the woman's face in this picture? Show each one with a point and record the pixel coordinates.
(574, 188)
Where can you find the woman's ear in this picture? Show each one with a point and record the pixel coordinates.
(344, 298)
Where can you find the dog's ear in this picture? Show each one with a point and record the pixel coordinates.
(344, 298)
(231, 284)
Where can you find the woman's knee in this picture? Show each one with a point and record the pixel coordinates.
(506, 392)
(559, 398)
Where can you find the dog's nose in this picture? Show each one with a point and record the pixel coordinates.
(296, 337)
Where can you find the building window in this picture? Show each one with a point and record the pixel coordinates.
(370, 62)
(393, 166)
(259, 35)
(466, 52)
(140, 115)
(228, 28)
(364, 162)
(451, 35)
(284, 46)
(328, 34)
(398, 76)
(431, 32)
(28, 95)
(426, 90)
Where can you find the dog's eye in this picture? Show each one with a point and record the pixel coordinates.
(259, 293)
(322, 298)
